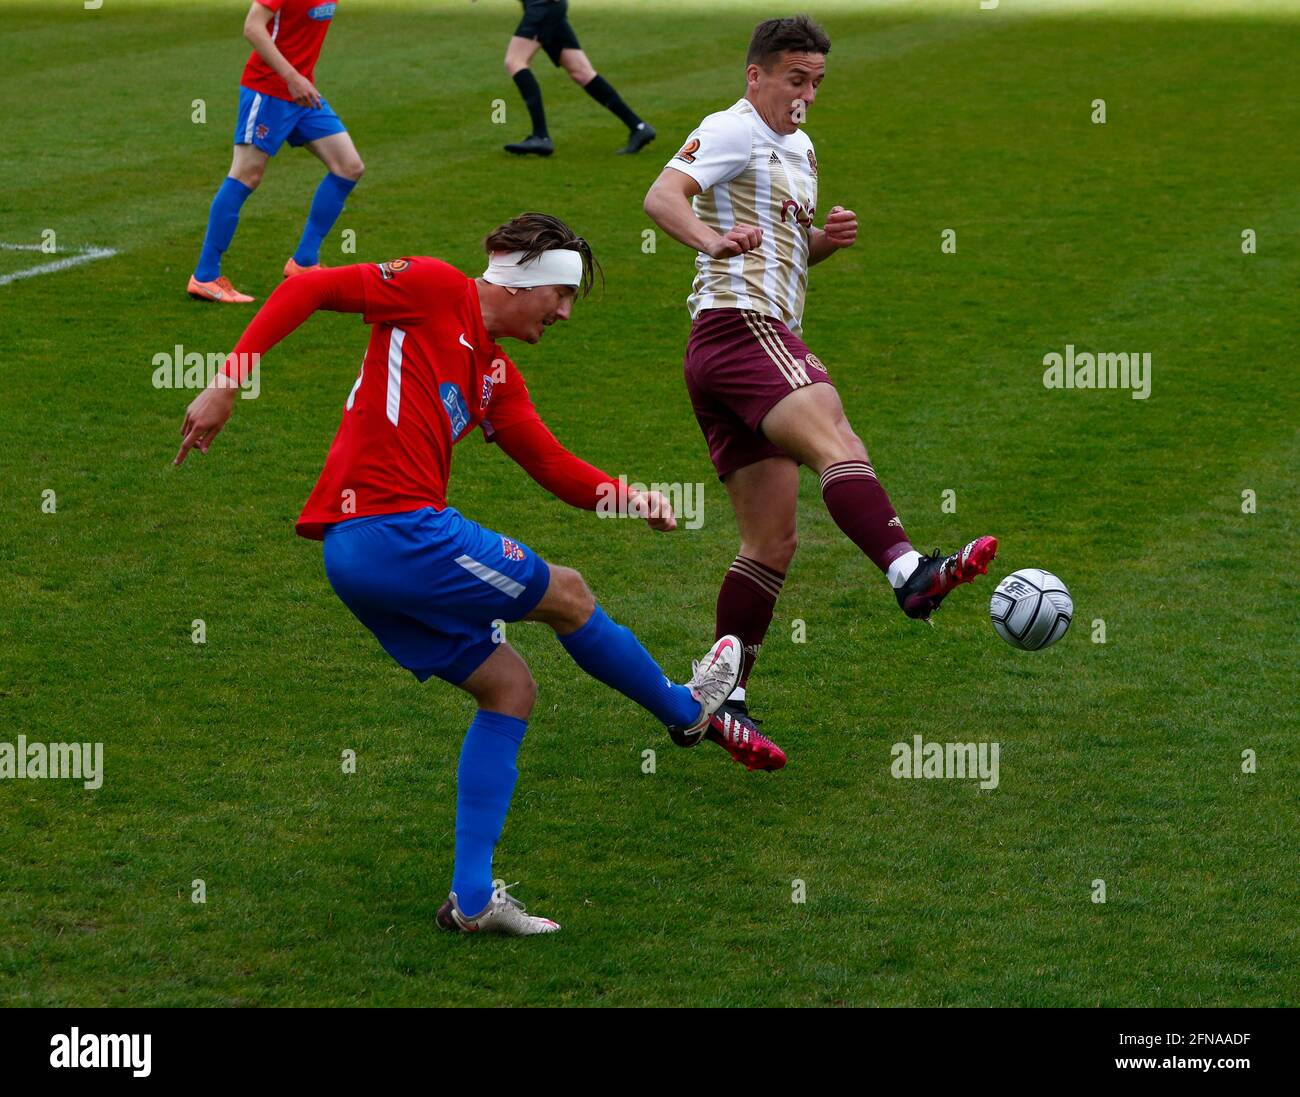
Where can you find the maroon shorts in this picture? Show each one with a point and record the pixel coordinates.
(739, 366)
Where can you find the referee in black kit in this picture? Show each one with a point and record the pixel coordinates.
(545, 25)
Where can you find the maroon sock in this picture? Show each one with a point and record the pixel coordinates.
(745, 603)
(863, 511)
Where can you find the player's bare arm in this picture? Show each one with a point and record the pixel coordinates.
(840, 231)
(668, 205)
(256, 29)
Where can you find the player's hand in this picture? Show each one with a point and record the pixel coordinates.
(206, 415)
(654, 508)
(303, 91)
(841, 227)
(737, 241)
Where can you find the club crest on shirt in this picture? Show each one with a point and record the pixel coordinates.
(510, 550)
(392, 268)
(486, 397)
(453, 403)
(689, 150)
(322, 11)
(812, 162)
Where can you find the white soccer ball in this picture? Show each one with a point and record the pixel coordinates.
(1031, 609)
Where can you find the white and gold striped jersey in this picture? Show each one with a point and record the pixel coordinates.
(751, 175)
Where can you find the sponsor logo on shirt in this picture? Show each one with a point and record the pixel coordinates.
(322, 11)
(792, 209)
(392, 268)
(510, 550)
(453, 402)
(689, 150)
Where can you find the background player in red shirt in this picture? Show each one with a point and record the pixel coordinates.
(432, 585)
(278, 102)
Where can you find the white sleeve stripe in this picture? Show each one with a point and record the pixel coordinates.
(395, 342)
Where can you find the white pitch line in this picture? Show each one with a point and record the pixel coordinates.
(85, 255)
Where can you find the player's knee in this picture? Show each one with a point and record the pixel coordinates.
(249, 175)
(582, 75)
(515, 696)
(775, 551)
(514, 65)
(780, 550)
(524, 695)
(576, 602)
(353, 169)
(582, 603)
(850, 442)
(833, 447)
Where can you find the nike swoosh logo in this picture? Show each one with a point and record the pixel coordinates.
(463, 341)
(718, 654)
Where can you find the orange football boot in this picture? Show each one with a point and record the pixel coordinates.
(291, 268)
(219, 290)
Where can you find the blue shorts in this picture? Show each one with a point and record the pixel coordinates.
(268, 122)
(431, 586)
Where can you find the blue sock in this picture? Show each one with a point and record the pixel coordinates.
(484, 782)
(611, 654)
(325, 209)
(223, 218)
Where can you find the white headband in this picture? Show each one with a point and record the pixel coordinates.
(558, 267)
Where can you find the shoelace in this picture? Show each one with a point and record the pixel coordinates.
(503, 892)
(715, 679)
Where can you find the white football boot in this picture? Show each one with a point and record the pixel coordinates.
(712, 680)
(503, 914)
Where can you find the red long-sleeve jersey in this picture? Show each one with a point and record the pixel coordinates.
(430, 375)
(298, 29)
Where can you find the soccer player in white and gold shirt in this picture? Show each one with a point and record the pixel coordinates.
(742, 192)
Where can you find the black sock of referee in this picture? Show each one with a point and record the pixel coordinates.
(599, 89)
(528, 87)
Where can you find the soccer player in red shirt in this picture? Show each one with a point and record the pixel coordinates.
(278, 102)
(434, 586)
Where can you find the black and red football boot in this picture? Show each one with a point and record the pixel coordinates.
(936, 576)
(737, 733)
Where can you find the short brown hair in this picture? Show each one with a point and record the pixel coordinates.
(777, 36)
(534, 233)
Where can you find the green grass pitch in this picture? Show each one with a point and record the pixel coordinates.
(1120, 761)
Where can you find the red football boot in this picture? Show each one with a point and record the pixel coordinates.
(935, 576)
(738, 735)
